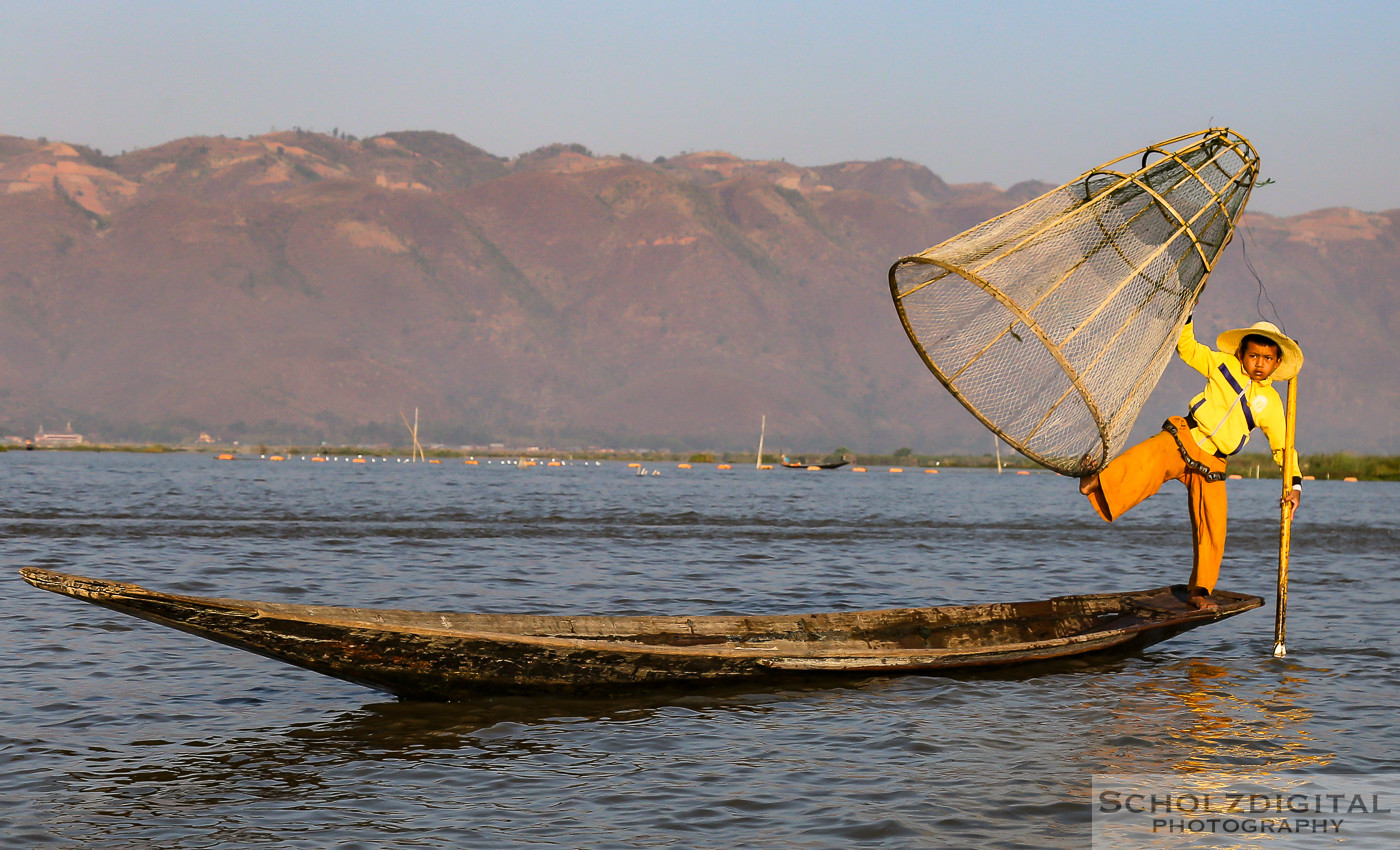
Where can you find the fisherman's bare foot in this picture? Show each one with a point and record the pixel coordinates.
(1089, 482)
(1200, 599)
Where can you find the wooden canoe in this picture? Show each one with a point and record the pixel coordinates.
(802, 464)
(447, 656)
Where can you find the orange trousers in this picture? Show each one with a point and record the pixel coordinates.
(1142, 470)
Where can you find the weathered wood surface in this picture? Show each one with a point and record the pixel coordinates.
(441, 655)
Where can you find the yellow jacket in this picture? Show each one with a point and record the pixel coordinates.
(1231, 406)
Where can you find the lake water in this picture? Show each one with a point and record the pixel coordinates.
(117, 733)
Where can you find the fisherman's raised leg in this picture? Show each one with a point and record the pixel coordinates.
(1132, 476)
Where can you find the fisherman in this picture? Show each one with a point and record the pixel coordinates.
(1192, 449)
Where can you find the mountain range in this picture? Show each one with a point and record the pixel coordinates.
(302, 286)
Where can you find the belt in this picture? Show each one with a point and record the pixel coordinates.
(1193, 424)
(1191, 463)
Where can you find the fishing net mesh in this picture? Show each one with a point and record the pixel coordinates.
(1053, 322)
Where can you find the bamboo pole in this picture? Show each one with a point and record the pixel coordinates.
(417, 450)
(1285, 518)
(762, 427)
(417, 447)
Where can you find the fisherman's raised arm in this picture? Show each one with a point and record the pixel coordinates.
(1197, 355)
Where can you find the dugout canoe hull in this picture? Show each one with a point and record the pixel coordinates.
(451, 656)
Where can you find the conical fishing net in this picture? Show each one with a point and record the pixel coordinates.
(1053, 322)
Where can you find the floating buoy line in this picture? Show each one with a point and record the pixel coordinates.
(527, 462)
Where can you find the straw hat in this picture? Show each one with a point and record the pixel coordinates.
(1292, 355)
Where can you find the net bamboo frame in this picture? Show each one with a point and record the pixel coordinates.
(1053, 322)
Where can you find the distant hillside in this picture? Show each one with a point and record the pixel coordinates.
(311, 287)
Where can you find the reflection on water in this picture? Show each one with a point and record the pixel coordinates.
(1258, 722)
(116, 733)
(1193, 716)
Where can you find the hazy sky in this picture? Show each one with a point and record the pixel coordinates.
(977, 91)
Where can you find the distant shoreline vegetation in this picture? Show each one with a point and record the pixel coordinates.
(1327, 466)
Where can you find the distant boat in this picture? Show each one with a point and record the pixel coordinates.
(450, 656)
(802, 464)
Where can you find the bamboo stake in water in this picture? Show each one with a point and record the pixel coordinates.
(762, 426)
(413, 430)
(1286, 519)
(417, 447)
